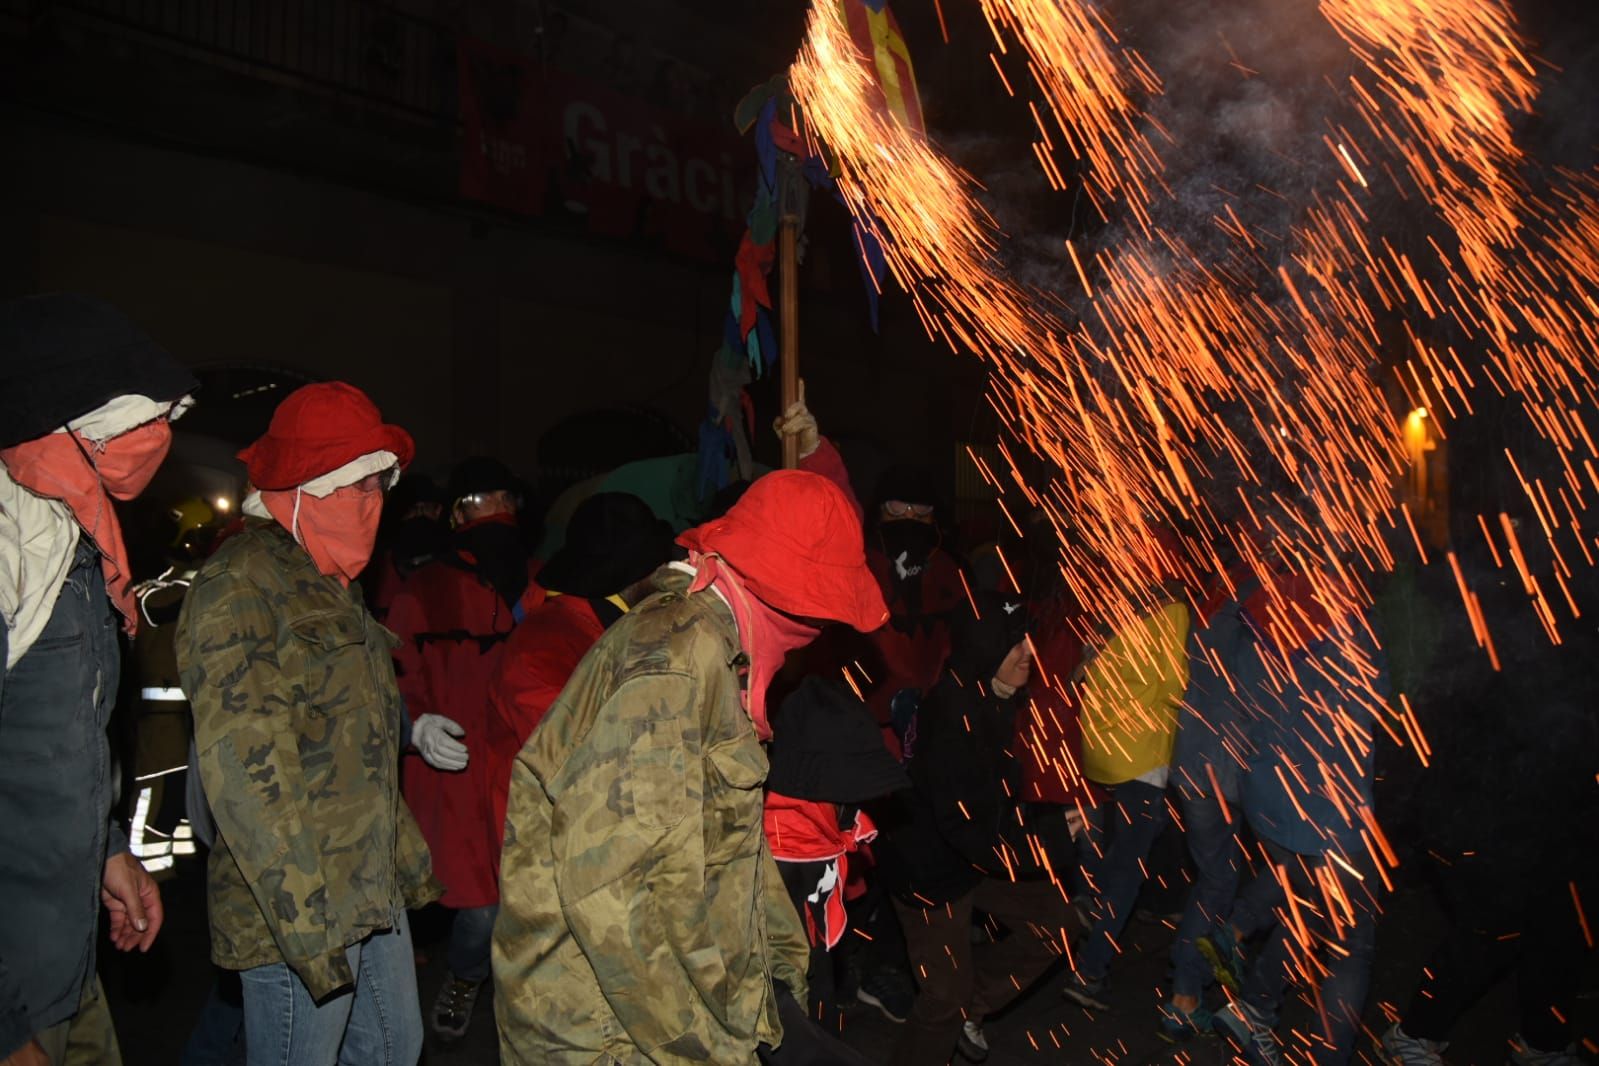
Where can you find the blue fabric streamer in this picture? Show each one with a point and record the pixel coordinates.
(868, 250)
(874, 266)
(763, 337)
(752, 345)
(716, 450)
(765, 147)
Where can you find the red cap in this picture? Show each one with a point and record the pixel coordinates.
(317, 429)
(796, 542)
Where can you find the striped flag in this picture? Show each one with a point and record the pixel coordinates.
(875, 31)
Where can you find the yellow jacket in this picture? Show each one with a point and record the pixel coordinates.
(1129, 695)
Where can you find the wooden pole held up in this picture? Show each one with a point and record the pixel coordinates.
(788, 350)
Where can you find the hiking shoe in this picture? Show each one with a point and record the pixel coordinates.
(1524, 1054)
(1220, 949)
(1088, 993)
(972, 1044)
(1402, 1049)
(1178, 1026)
(1249, 1032)
(889, 994)
(452, 1008)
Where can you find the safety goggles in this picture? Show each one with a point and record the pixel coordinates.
(921, 512)
(379, 481)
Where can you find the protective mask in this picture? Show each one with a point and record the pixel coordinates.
(128, 461)
(338, 530)
(908, 544)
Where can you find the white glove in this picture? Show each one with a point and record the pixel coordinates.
(434, 736)
(798, 421)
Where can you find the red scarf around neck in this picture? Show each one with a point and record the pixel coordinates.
(55, 466)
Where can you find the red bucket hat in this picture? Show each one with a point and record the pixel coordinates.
(796, 542)
(317, 429)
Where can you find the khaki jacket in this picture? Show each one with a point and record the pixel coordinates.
(642, 918)
(297, 722)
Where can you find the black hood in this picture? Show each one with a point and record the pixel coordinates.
(909, 484)
(612, 541)
(481, 473)
(980, 641)
(827, 747)
(63, 355)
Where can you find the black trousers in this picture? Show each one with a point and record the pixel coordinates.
(800, 878)
(959, 981)
(804, 1042)
(1541, 941)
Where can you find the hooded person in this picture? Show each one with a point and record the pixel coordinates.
(969, 842)
(614, 544)
(298, 729)
(412, 533)
(1311, 679)
(453, 616)
(827, 759)
(921, 583)
(641, 914)
(86, 402)
(1129, 690)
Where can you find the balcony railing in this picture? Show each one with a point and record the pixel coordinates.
(354, 48)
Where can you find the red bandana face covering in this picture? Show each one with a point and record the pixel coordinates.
(127, 462)
(767, 635)
(79, 473)
(338, 530)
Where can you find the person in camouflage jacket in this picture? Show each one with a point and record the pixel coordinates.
(298, 727)
(642, 918)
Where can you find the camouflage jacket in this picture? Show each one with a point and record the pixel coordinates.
(642, 918)
(297, 721)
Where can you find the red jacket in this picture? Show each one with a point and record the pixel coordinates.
(1049, 731)
(538, 660)
(912, 653)
(453, 628)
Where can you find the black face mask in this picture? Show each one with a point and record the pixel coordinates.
(416, 538)
(908, 545)
(501, 556)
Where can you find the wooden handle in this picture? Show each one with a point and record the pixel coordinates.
(788, 349)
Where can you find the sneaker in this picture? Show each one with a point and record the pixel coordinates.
(889, 994)
(972, 1044)
(452, 1008)
(1088, 993)
(1524, 1054)
(1179, 1027)
(1226, 958)
(1402, 1049)
(1249, 1032)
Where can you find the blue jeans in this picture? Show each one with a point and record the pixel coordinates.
(1341, 995)
(470, 936)
(55, 791)
(376, 1023)
(1135, 815)
(1212, 844)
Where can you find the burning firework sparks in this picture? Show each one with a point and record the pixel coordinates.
(1254, 391)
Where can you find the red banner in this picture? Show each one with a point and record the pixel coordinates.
(537, 140)
(502, 118)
